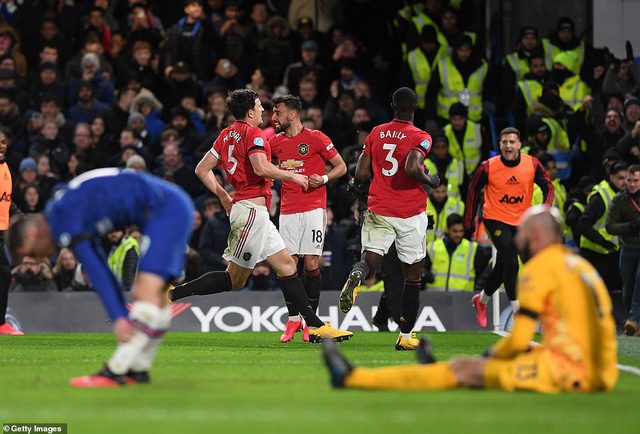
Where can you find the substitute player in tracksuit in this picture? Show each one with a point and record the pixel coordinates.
(91, 206)
(508, 181)
(303, 215)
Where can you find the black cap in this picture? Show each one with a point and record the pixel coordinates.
(181, 67)
(428, 35)
(536, 125)
(84, 83)
(528, 30)
(440, 138)
(305, 21)
(612, 154)
(551, 100)
(47, 65)
(627, 102)
(462, 40)
(566, 23)
(458, 109)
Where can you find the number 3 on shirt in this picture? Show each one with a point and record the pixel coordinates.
(391, 147)
(232, 161)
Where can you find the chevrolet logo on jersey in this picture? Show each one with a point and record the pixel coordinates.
(291, 164)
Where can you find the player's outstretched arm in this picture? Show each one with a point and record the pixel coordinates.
(413, 167)
(203, 171)
(262, 167)
(338, 169)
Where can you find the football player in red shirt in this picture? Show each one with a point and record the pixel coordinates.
(393, 156)
(303, 212)
(243, 151)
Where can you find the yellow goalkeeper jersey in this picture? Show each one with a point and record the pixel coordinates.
(566, 295)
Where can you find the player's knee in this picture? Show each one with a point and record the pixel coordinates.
(311, 262)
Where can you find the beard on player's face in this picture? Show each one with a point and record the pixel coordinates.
(282, 125)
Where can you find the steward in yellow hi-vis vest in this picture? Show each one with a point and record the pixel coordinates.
(515, 65)
(561, 292)
(564, 40)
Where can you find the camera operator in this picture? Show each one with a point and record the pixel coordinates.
(624, 220)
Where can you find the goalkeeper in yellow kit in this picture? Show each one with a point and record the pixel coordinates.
(559, 289)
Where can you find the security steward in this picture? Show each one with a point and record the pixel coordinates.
(454, 261)
(508, 180)
(123, 258)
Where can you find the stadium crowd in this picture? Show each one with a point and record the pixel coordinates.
(141, 84)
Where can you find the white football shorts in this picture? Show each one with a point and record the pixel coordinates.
(253, 237)
(303, 232)
(379, 232)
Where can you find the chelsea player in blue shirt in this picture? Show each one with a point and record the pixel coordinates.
(91, 206)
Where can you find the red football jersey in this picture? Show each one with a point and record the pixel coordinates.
(393, 193)
(233, 147)
(304, 154)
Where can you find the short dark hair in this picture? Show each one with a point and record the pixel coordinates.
(546, 158)
(240, 101)
(618, 167)
(634, 168)
(49, 97)
(455, 219)
(510, 130)
(404, 99)
(291, 102)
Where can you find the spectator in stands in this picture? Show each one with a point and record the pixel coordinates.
(68, 273)
(77, 165)
(92, 45)
(142, 65)
(227, 76)
(338, 113)
(8, 85)
(631, 113)
(189, 41)
(623, 220)
(47, 81)
(52, 144)
(213, 238)
(262, 278)
(82, 143)
(308, 66)
(50, 109)
(308, 93)
(198, 224)
(30, 201)
(97, 21)
(87, 106)
(622, 78)
(231, 37)
(275, 51)
(143, 26)
(138, 124)
(29, 133)
(103, 89)
(10, 45)
(47, 179)
(174, 170)
(179, 84)
(150, 108)
(564, 40)
(116, 118)
(10, 113)
(304, 31)
(450, 28)
(516, 65)
(181, 122)
(629, 144)
(48, 39)
(32, 275)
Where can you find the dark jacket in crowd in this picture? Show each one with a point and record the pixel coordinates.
(623, 218)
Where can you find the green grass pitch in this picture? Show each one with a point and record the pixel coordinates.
(250, 382)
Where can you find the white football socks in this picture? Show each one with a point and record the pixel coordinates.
(484, 298)
(148, 318)
(405, 336)
(145, 359)
(515, 305)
